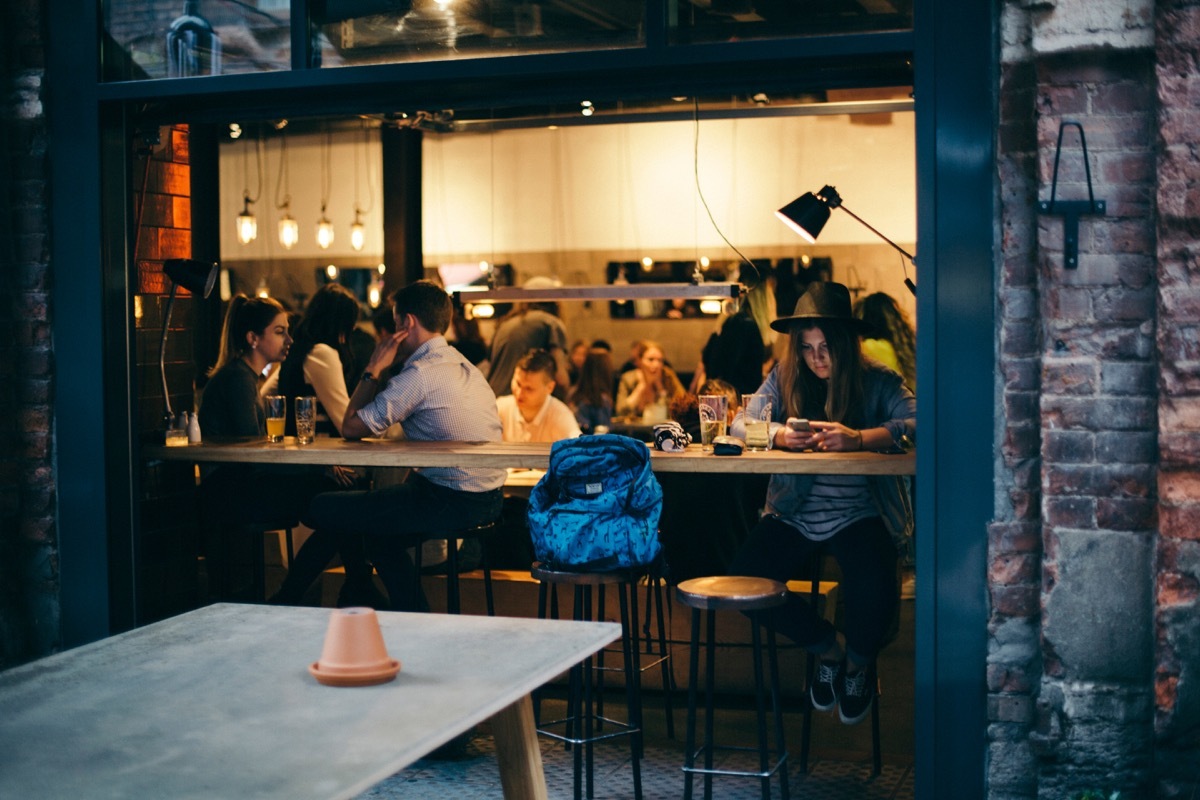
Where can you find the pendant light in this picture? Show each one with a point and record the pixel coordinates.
(358, 232)
(324, 226)
(289, 230)
(247, 223)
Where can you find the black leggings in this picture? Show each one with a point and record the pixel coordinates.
(867, 558)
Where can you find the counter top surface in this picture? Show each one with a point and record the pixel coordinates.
(399, 453)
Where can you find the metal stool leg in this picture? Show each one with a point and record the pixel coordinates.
(760, 704)
(689, 753)
(633, 689)
(453, 599)
(777, 703)
(710, 667)
(668, 674)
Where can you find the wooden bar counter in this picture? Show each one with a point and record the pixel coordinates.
(399, 453)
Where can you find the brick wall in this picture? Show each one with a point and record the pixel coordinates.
(1093, 556)
(29, 608)
(1177, 586)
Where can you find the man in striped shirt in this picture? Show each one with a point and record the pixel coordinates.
(437, 395)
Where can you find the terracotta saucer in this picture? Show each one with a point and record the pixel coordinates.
(357, 677)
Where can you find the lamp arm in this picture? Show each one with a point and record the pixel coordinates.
(168, 414)
(869, 227)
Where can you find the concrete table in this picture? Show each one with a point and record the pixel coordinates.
(218, 703)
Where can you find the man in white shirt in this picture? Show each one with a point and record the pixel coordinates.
(531, 413)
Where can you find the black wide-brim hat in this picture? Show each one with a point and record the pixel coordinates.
(824, 302)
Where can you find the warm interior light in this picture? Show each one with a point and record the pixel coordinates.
(263, 290)
(382, 268)
(375, 294)
(710, 306)
(289, 231)
(247, 223)
(137, 306)
(704, 262)
(331, 272)
(647, 264)
(358, 234)
(484, 267)
(482, 310)
(324, 232)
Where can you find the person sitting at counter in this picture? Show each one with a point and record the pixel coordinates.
(645, 392)
(592, 396)
(851, 404)
(255, 334)
(531, 413)
(437, 395)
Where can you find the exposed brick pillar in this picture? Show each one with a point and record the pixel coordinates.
(29, 603)
(1177, 589)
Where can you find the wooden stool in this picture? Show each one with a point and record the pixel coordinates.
(583, 722)
(453, 605)
(748, 595)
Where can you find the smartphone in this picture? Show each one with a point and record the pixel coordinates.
(799, 425)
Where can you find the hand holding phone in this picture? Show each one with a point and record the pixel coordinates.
(799, 425)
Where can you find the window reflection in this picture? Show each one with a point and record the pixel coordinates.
(729, 20)
(186, 38)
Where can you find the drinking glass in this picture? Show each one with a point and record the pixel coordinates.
(306, 419)
(756, 413)
(714, 409)
(276, 405)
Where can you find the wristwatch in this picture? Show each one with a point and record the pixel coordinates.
(367, 376)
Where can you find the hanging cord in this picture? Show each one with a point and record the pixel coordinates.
(700, 193)
(326, 176)
(283, 180)
(366, 153)
(258, 147)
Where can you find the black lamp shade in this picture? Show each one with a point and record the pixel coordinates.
(806, 215)
(198, 277)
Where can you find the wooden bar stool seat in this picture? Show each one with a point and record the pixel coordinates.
(748, 595)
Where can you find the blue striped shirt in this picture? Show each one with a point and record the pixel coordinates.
(833, 503)
(439, 396)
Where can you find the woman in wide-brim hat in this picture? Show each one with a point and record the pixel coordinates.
(851, 404)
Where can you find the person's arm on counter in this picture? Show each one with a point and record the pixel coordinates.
(368, 385)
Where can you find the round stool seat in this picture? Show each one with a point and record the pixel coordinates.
(734, 592)
(547, 575)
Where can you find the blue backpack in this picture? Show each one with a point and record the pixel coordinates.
(598, 505)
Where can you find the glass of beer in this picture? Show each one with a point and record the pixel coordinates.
(276, 406)
(713, 409)
(756, 413)
(306, 419)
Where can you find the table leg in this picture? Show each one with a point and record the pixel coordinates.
(518, 753)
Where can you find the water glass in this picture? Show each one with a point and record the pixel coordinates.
(714, 411)
(306, 419)
(756, 413)
(276, 407)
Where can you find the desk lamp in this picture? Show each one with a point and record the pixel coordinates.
(809, 212)
(198, 278)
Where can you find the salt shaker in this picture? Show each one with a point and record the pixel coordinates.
(193, 428)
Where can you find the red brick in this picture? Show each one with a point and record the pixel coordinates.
(1180, 522)
(1014, 537)
(1126, 514)
(1015, 601)
(1071, 512)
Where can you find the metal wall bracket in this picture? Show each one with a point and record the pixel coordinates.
(1072, 210)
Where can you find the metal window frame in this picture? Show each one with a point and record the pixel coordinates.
(954, 48)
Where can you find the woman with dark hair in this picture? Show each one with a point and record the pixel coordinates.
(894, 344)
(851, 404)
(591, 398)
(256, 334)
(320, 361)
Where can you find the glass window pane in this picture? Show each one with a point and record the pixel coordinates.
(387, 31)
(729, 20)
(183, 38)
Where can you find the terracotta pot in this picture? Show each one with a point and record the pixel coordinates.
(354, 653)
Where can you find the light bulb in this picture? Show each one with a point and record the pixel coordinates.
(247, 224)
(289, 231)
(710, 306)
(324, 232)
(483, 311)
(375, 294)
(358, 234)
(263, 290)
(331, 272)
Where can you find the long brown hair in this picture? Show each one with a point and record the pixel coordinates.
(245, 314)
(671, 383)
(840, 399)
